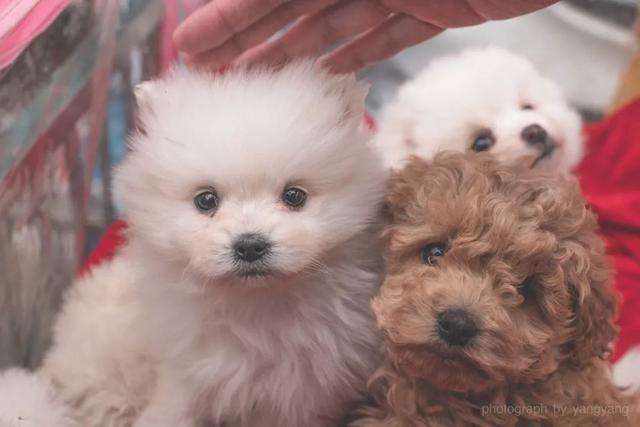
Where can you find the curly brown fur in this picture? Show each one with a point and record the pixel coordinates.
(524, 262)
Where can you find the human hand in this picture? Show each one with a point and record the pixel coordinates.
(237, 31)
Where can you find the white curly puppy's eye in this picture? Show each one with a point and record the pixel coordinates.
(206, 201)
(294, 197)
(483, 142)
(526, 107)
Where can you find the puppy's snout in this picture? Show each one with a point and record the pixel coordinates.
(535, 135)
(251, 247)
(456, 327)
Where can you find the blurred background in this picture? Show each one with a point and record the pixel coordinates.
(66, 77)
(584, 45)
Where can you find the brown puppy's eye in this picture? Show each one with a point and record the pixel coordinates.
(528, 288)
(432, 251)
(483, 142)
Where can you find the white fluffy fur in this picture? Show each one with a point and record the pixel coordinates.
(626, 372)
(28, 400)
(166, 334)
(460, 96)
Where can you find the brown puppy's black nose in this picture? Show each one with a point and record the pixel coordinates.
(535, 135)
(456, 327)
(250, 247)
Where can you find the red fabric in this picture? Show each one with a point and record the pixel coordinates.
(107, 247)
(370, 122)
(21, 21)
(610, 178)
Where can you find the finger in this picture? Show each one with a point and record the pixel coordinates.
(462, 13)
(500, 9)
(381, 42)
(258, 32)
(218, 20)
(314, 34)
(445, 14)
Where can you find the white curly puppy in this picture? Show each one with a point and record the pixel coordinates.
(483, 99)
(242, 296)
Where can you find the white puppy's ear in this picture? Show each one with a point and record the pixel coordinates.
(144, 93)
(353, 94)
(357, 97)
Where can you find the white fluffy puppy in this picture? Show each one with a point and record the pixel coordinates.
(242, 296)
(483, 99)
(28, 400)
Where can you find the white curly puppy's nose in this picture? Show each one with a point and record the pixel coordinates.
(536, 135)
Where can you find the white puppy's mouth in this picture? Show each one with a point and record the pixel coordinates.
(252, 255)
(252, 270)
(256, 257)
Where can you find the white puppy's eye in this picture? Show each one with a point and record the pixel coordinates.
(527, 107)
(483, 142)
(206, 201)
(294, 197)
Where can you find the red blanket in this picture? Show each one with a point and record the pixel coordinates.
(610, 178)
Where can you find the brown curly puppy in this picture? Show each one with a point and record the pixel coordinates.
(496, 308)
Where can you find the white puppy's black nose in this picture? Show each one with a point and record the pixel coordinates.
(535, 135)
(251, 247)
(456, 327)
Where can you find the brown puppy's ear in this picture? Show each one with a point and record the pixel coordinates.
(593, 302)
(558, 204)
(404, 187)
